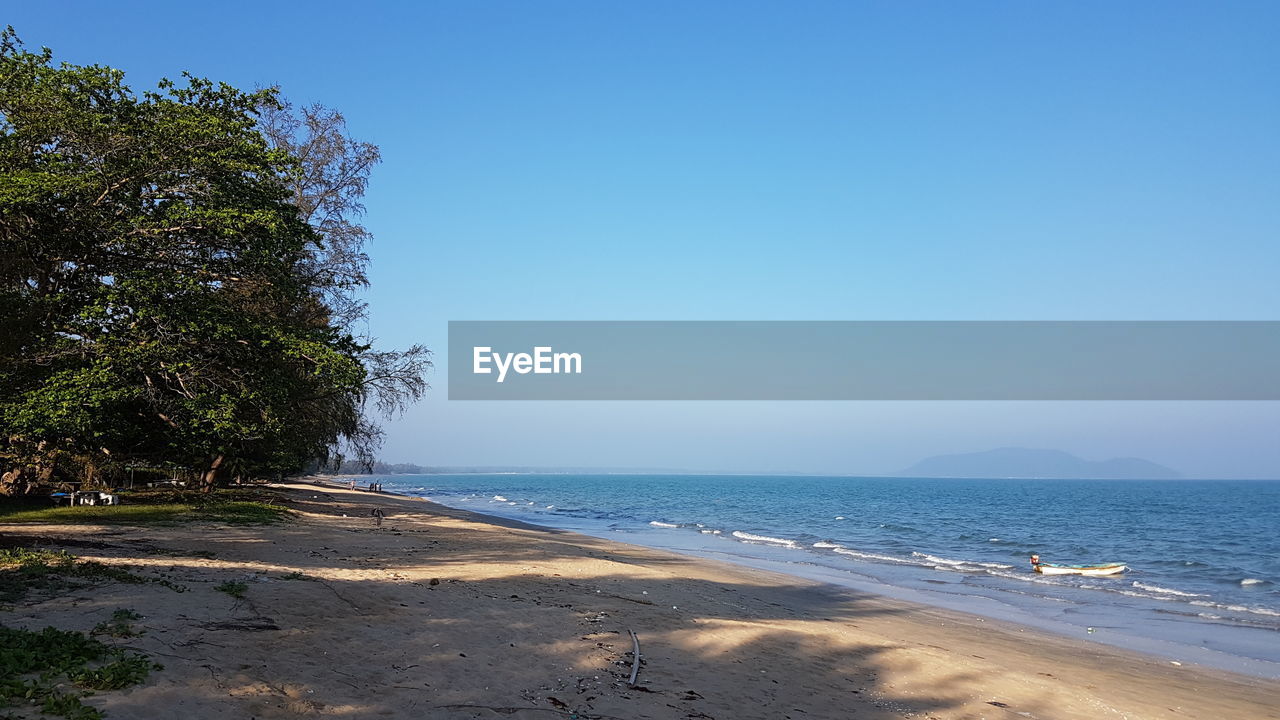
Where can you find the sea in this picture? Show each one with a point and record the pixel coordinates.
(1203, 585)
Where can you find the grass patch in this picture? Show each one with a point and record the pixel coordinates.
(23, 570)
(120, 625)
(295, 575)
(234, 588)
(34, 664)
(127, 670)
(231, 512)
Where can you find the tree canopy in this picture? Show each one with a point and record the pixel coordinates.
(178, 279)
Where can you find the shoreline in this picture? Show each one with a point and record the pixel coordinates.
(1112, 630)
(444, 612)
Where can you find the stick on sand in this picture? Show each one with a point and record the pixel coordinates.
(635, 656)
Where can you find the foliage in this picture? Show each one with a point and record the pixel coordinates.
(23, 570)
(126, 671)
(230, 512)
(119, 626)
(171, 298)
(32, 664)
(327, 186)
(234, 588)
(166, 506)
(355, 467)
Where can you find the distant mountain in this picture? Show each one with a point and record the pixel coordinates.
(1033, 463)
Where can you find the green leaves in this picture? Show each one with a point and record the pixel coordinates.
(33, 664)
(172, 294)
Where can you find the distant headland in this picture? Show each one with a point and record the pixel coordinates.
(1014, 462)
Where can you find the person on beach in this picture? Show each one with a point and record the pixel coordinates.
(377, 516)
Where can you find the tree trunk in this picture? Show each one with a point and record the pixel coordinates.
(213, 474)
(10, 483)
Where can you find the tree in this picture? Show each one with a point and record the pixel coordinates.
(327, 186)
(169, 295)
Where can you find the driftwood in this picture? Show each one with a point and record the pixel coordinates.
(635, 657)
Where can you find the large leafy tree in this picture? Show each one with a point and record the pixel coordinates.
(167, 295)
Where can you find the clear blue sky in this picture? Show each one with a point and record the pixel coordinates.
(814, 160)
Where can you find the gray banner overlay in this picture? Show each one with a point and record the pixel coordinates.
(890, 360)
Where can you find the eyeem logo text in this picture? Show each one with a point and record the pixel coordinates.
(541, 362)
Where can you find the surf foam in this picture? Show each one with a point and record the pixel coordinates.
(763, 539)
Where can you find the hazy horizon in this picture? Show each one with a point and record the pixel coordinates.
(902, 472)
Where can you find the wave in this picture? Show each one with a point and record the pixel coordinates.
(917, 558)
(1031, 577)
(1138, 594)
(871, 556)
(1230, 620)
(934, 559)
(1254, 581)
(1237, 608)
(763, 539)
(1165, 591)
(658, 523)
(499, 498)
(1145, 591)
(709, 532)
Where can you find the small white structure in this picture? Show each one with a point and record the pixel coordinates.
(93, 497)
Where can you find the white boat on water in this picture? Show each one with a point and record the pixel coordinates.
(1099, 569)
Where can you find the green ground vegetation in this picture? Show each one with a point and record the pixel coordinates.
(51, 670)
(120, 625)
(26, 570)
(161, 507)
(234, 588)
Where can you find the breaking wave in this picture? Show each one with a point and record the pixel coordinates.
(748, 537)
(1164, 591)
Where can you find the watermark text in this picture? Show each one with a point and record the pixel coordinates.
(542, 361)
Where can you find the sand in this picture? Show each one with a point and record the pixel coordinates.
(441, 613)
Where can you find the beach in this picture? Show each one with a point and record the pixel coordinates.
(1196, 590)
(440, 612)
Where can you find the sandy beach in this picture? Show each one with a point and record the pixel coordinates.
(440, 613)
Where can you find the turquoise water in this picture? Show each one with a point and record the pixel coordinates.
(1204, 584)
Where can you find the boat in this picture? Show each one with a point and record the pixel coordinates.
(1099, 569)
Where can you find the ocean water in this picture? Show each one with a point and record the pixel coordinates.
(1204, 556)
